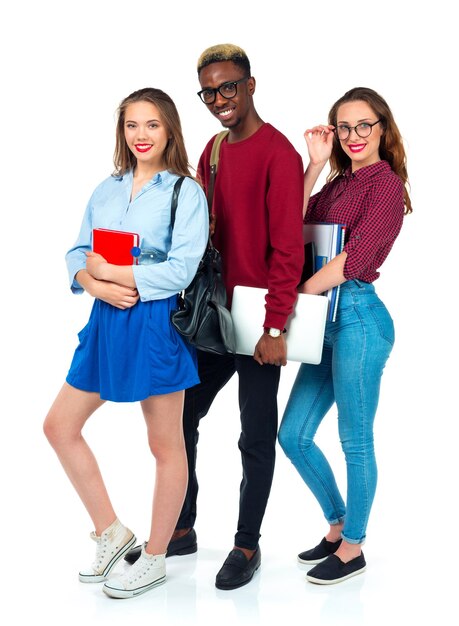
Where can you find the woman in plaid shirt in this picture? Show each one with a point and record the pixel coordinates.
(367, 191)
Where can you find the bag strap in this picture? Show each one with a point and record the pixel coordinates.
(214, 156)
(175, 196)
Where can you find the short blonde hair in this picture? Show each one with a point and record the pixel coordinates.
(224, 52)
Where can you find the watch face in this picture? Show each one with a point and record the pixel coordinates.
(274, 332)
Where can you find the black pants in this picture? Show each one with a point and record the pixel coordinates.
(258, 385)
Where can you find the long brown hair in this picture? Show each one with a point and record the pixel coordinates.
(175, 155)
(390, 148)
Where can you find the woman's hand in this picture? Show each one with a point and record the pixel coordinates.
(319, 141)
(95, 265)
(100, 269)
(117, 295)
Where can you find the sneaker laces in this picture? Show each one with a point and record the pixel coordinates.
(139, 569)
(100, 551)
(103, 547)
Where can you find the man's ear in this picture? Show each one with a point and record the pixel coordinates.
(251, 84)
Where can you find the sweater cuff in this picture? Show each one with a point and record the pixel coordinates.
(275, 320)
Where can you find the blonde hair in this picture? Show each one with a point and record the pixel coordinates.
(225, 52)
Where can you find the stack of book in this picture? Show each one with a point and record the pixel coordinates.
(322, 242)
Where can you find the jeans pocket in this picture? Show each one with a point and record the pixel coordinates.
(383, 321)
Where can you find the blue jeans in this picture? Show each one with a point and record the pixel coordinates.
(356, 348)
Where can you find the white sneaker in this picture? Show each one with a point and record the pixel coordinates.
(147, 572)
(112, 545)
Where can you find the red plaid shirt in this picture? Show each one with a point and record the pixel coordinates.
(370, 203)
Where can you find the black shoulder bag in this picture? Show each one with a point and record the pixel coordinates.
(202, 317)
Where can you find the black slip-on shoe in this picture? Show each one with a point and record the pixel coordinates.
(188, 544)
(333, 570)
(237, 570)
(320, 552)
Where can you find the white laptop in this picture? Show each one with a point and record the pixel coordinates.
(305, 326)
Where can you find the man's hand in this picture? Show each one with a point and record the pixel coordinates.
(272, 350)
(212, 223)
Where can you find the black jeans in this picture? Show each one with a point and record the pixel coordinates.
(258, 385)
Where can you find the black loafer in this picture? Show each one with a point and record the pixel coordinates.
(320, 552)
(237, 570)
(188, 544)
(333, 570)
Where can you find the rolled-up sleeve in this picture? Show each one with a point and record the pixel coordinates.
(76, 256)
(189, 240)
(378, 227)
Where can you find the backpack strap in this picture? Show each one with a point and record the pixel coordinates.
(214, 156)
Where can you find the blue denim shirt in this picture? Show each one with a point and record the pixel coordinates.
(148, 214)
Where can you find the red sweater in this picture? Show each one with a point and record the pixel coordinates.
(258, 202)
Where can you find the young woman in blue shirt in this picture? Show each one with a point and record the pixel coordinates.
(129, 350)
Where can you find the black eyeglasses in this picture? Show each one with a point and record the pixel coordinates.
(363, 130)
(226, 90)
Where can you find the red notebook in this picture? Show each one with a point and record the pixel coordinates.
(116, 246)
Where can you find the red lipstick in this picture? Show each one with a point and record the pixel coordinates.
(357, 147)
(143, 147)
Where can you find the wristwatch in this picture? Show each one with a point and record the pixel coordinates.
(274, 332)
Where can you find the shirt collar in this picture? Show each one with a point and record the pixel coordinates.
(158, 178)
(369, 171)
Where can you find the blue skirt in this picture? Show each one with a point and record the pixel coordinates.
(131, 354)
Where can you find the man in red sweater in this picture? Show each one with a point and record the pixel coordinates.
(258, 200)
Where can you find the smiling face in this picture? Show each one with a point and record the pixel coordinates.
(361, 151)
(231, 112)
(145, 134)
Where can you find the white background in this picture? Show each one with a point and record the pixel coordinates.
(65, 68)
